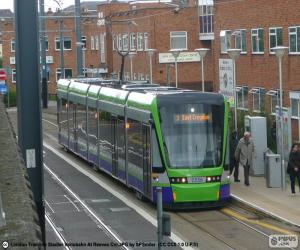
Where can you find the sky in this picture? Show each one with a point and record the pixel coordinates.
(8, 4)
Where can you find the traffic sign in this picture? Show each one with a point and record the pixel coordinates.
(2, 74)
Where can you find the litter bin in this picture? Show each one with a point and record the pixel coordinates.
(273, 170)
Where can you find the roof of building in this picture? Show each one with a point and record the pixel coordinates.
(87, 6)
(5, 13)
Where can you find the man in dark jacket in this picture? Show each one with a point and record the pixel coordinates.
(293, 168)
(234, 164)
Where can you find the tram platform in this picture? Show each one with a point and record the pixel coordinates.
(274, 202)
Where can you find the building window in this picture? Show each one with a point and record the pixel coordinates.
(14, 75)
(140, 41)
(83, 40)
(178, 40)
(46, 44)
(92, 43)
(206, 17)
(96, 43)
(258, 95)
(132, 41)
(66, 41)
(275, 38)
(294, 108)
(146, 41)
(274, 100)
(114, 42)
(240, 40)
(242, 97)
(294, 39)
(68, 73)
(119, 42)
(12, 45)
(134, 76)
(102, 48)
(257, 39)
(125, 42)
(225, 39)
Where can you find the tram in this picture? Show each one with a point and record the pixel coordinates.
(148, 136)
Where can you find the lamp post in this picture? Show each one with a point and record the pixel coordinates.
(279, 52)
(150, 53)
(175, 53)
(78, 44)
(234, 54)
(202, 53)
(131, 55)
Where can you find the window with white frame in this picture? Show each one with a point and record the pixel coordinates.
(240, 40)
(14, 75)
(96, 43)
(139, 41)
(114, 42)
(92, 43)
(257, 41)
(134, 76)
(206, 17)
(120, 42)
(274, 99)
(132, 41)
(68, 73)
(294, 40)
(295, 103)
(146, 41)
(46, 44)
(178, 40)
(225, 39)
(12, 45)
(147, 77)
(125, 42)
(67, 43)
(242, 97)
(83, 40)
(258, 100)
(275, 38)
(102, 47)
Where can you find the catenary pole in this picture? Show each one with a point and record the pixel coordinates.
(28, 98)
(78, 38)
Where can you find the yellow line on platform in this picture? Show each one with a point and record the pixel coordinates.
(257, 222)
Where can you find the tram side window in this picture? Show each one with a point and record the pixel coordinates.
(63, 117)
(121, 138)
(156, 158)
(135, 143)
(105, 136)
(71, 117)
(81, 124)
(92, 128)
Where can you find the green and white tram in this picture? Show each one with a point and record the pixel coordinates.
(148, 136)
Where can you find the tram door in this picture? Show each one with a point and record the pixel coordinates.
(114, 146)
(147, 159)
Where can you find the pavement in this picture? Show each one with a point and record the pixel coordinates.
(274, 202)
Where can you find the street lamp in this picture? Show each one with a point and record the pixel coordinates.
(279, 52)
(131, 55)
(234, 54)
(83, 57)
(175, 53)
(202, 53)
(150, 53)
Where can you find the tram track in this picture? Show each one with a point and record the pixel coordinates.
(90, 213)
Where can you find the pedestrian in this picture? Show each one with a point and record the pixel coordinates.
(244, 153)
(293, 168)
(234, 163)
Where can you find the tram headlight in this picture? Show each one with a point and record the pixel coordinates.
(208, 179)
(215, 178)
(183, 180)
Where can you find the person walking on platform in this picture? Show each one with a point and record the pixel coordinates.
(293, 168)
(244, 154)
(234, 164)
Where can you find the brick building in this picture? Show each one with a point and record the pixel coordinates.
(253, 26)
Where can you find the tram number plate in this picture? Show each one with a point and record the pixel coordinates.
(199, 179)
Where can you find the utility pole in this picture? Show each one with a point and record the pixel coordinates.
(43, 55)
(28, 97)
(61, 46)
(78, 38)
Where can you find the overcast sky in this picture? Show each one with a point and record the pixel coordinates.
(8, 4)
